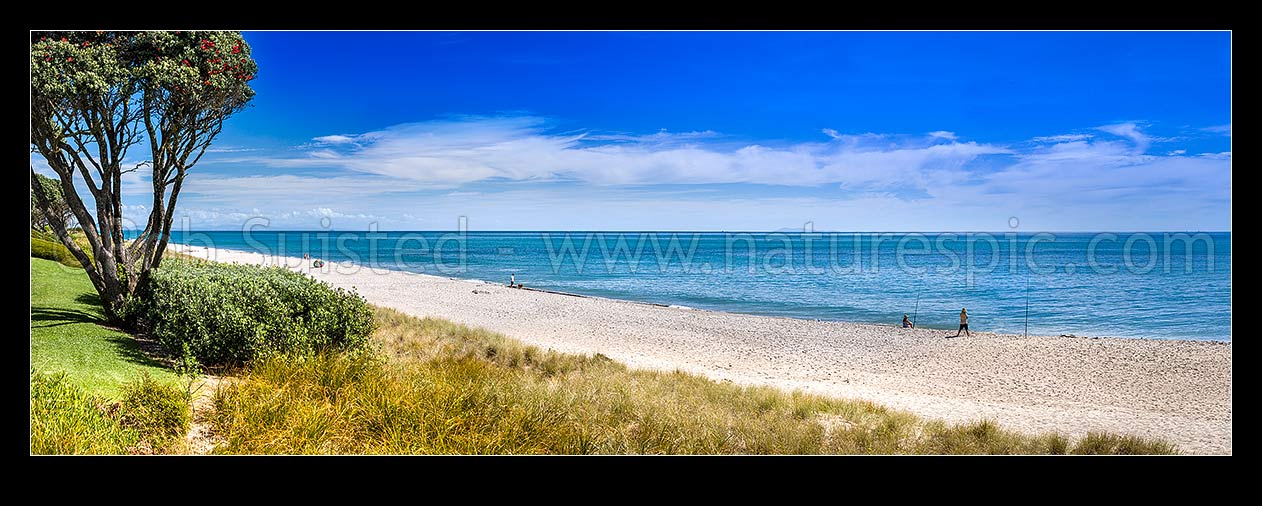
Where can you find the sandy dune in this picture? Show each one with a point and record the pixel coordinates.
(1178, 390)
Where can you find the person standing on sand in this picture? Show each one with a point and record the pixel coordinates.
(963, 323)
(512, 279)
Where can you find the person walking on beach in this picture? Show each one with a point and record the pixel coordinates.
(963, 323)
(512, 279)
(907, 324)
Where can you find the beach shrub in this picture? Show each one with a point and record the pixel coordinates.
(66, 421)
(160, 411)
(229, 314)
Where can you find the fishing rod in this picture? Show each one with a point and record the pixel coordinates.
(1027, 305)
(916, 312)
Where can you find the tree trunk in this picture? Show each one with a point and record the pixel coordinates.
(113, 295)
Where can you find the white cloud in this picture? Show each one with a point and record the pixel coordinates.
(1130, 131)
(334, 139)
(1063, 138)
(1177, 152)
(229, 149)
(943, 134)
(661, 137)
(1220, 129)
(444, 154)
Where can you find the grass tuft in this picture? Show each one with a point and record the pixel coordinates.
(66, 421)
(1099, 443)
(160, 411)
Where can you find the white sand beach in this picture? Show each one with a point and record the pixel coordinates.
(1176, 390)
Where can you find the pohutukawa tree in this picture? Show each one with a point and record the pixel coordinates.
(96, 95)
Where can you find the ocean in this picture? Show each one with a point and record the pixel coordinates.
(1158, 285)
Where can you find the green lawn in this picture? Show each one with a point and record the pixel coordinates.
(67, 334)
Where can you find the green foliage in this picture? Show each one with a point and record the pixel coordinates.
(225, 314)
(160, 411)
(439, 387)
(54, 251)
(176, 70)
(46, 245)
(43, 235)
(66, 421)
(51, 189)
(67, 335)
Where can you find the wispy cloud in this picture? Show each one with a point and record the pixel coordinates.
(1130, 131)
(441, 154)
(1219, 129)
(230, 149)
(660, 137)
(1063, 138)
(334, 139)
(943, 134)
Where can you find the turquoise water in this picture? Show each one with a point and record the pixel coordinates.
(1125, 285)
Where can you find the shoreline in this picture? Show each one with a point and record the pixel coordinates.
(292, 262)
(1179, 390)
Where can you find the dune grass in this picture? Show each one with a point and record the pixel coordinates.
(152, 417)
(67, 334)
(438, 387)
(67, 421)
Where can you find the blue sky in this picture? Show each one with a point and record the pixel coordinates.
(726, 131)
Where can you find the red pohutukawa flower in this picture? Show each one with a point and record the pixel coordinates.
(69, 58)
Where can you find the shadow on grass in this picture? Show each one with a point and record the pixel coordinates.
(128, 347)
(132, 350)
(57, 317)
(89, 298)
